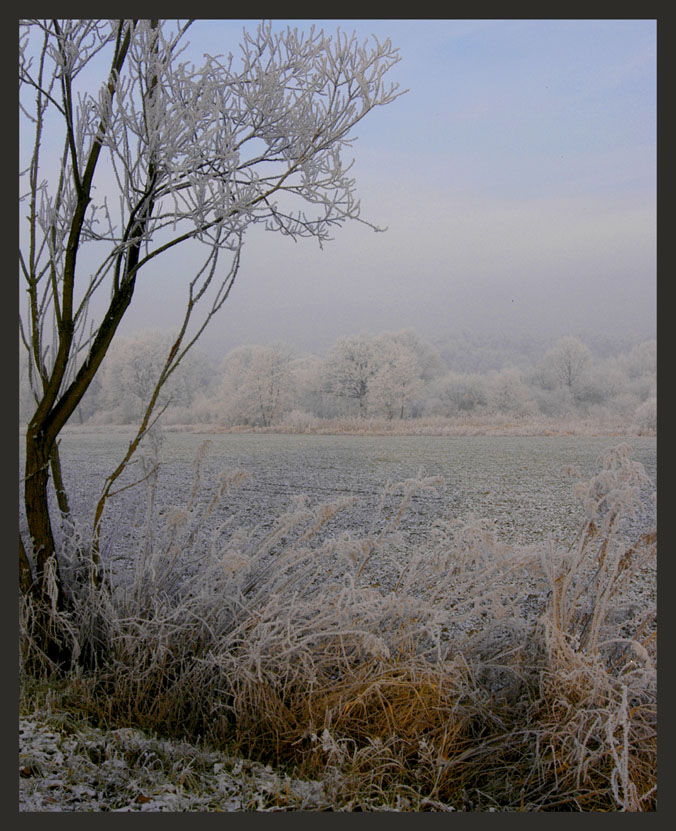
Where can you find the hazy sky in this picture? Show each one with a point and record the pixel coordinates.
(517, 178)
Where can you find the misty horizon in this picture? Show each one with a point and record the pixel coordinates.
(516, 179)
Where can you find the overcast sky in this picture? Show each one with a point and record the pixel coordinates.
(517, 178)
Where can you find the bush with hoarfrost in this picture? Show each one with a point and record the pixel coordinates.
(458, 669)
(646, 416)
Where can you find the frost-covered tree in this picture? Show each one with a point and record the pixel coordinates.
(567, 360)
(255, 386)
(431, 364)
(349, 368)
(397, 381)
(131, 370)
(640, 367)
(600, 383)
(127, 150)
(307, 374)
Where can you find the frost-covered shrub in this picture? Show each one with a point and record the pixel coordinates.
(507, 394)
(641, 360)
(624, 404)
(557, 403)
(457, 393)
(646, 416)
(599, 384)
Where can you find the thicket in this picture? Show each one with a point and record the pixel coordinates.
(393, 377)
(478, 676)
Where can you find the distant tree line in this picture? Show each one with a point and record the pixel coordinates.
(393, 375)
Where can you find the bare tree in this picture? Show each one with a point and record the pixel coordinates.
(157, 153)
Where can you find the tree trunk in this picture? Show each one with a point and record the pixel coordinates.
(37, 507)
(362, 404)
(57, 476)
(48, 595)
(25, 574)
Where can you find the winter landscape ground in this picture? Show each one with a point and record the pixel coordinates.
(372, 605)
(519, 483)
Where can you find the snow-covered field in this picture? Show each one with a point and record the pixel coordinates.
(518, 483)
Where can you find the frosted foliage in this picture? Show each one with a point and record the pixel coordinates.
(455, 393)
(348, 369)
(646, 415)
(255, 387)
(307, 381)
(601, 566)
(125, 770)
(156, 152)
(131, 371)
(299, 93)
(384, 374)
(508, 394)
(641, 360)
(429, 363)
(397, 382)
(393, 381)
(601, 383)
(616, 490)
(567, 360)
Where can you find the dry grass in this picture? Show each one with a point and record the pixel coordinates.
(484, 424)
(482, 677)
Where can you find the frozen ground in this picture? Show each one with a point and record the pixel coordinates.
(66, 767)
(518, 483)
